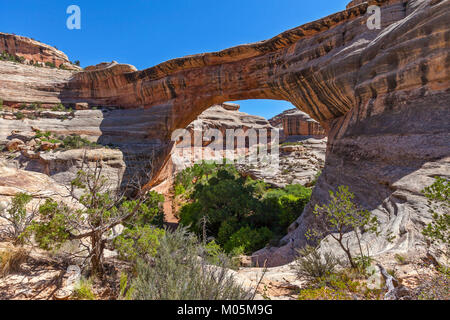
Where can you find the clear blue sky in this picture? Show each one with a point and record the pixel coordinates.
(146, 32)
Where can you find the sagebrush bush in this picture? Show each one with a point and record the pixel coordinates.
(178, 272)
(311, 265)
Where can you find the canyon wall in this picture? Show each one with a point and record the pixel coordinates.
(382, 95)
(34, 51)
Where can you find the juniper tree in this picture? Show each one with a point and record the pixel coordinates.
(101, 208)
(17, 217)
(341, 216)
(438, 195)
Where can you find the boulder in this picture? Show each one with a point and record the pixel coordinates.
(14, 144)
(45, 146)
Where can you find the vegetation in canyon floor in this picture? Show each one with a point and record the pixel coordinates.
(242, 215)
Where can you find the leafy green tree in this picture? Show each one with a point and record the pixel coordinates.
(138, 242)
(438, 195)
(222, 197)
(341, 216)
(248, 239)
(223, 202)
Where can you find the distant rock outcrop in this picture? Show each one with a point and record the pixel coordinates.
(34, 51)
(293, 123)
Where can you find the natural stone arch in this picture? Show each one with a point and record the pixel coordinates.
(381, 94)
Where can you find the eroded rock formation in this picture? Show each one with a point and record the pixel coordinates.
(34, 51)
(382, 95)
(294, 122)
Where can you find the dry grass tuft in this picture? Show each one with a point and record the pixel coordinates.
(10, 259)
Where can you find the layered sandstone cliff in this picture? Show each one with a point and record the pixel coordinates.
(382, 95)
(34, 51)
(294, 122)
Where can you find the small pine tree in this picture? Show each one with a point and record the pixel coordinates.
(17, 217)
(340, 216)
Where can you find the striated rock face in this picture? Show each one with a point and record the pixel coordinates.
(22, 83)
(301, 125)
(33, 50)
(382, 95)
(221, 117)
(126, 131)
(298, 164)
(294, 122)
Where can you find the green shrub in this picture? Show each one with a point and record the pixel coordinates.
(311, 265)
(213, 252)
(40, 134)
(340, 216)
(50, 64)
(83, 290)
(19, 115)
(190, 215)
(177, 273)
(74, 141)
(248, 239)
(141, 241)
(227, 228)
(223, 202)
(291, 207)
(17, 218)
(52, 231)
(179, 189)
(342, 285)
(59, 107)
(5, 56)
